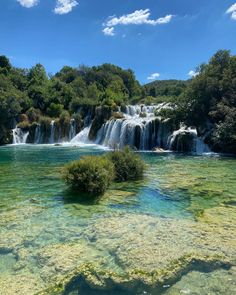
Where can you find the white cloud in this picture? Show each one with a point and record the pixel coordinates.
(109, 31)
(164, 20)
(153, 76)
(232, 8)
(193, 74)
(138, 17)
(65, 6)
(232, 11)
(28, 3)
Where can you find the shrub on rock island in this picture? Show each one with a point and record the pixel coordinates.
(91, 174)
(128, 165)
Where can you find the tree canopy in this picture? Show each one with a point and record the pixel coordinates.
(207, 101)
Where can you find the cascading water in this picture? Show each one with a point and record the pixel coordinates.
(19, 136)
(52, 132)
(186, 138)
(138, 126)
(37, 135)
(82, 136)
(141, 129)
(72, 132)
(55, 133)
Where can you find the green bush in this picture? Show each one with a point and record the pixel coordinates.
(33, 114)
(65, 118)
(23, 118)
(25, 125)
(55, 110)
(45, 121)
(91, 174)
(128, 165)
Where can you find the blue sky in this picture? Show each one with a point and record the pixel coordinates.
(158, 39)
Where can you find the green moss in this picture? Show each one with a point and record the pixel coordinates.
(24, 125)
(143, 115)
(117, 115)
(136, 280)
(45, 121)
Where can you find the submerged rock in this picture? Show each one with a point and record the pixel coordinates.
(129, 252)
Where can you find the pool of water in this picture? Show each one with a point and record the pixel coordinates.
(159, 235)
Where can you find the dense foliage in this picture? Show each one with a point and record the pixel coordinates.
(164, 90)
(208, 101)
(33, 93)
(91, 174)
(128, 165)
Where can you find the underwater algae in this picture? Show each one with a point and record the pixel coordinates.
(152, 236)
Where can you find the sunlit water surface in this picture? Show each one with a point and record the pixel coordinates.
(184, 205)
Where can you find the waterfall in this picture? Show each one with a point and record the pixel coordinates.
(186, 139)
(201, 146)
(19, 136)
(143, 130)
(52, 132)
(138, 126)
(82, 137)
(72, 131)
(37, 135)
(138, 129)
(133, 130)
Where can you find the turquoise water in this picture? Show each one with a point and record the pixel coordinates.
(32, 174)
(46, 233)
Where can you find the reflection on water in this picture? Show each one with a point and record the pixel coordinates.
(184, 207)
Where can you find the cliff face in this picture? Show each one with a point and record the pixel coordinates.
(102, 115)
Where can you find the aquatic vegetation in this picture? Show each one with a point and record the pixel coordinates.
(128, 165)
(141, 236)
(89, 278)
(91, 174)
(94, 174)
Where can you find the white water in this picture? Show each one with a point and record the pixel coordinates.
(198, 146)
(140, 128)
(52, 132)
(137, 129)
(19, 136)
(55, 135)
(82, 137)
(37, 135)
(72, 132)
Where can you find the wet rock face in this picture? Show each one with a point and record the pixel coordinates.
(102, 114)
(183, 142)
(6, 136)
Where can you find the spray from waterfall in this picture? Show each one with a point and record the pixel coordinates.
(141, 129)
(19, 136)
(37, 134)
(72, 132)
(138, 126)
(82, 136)
(52, 132)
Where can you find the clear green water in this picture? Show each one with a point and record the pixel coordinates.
(184, 206)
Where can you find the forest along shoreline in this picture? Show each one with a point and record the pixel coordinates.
(104, 103)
